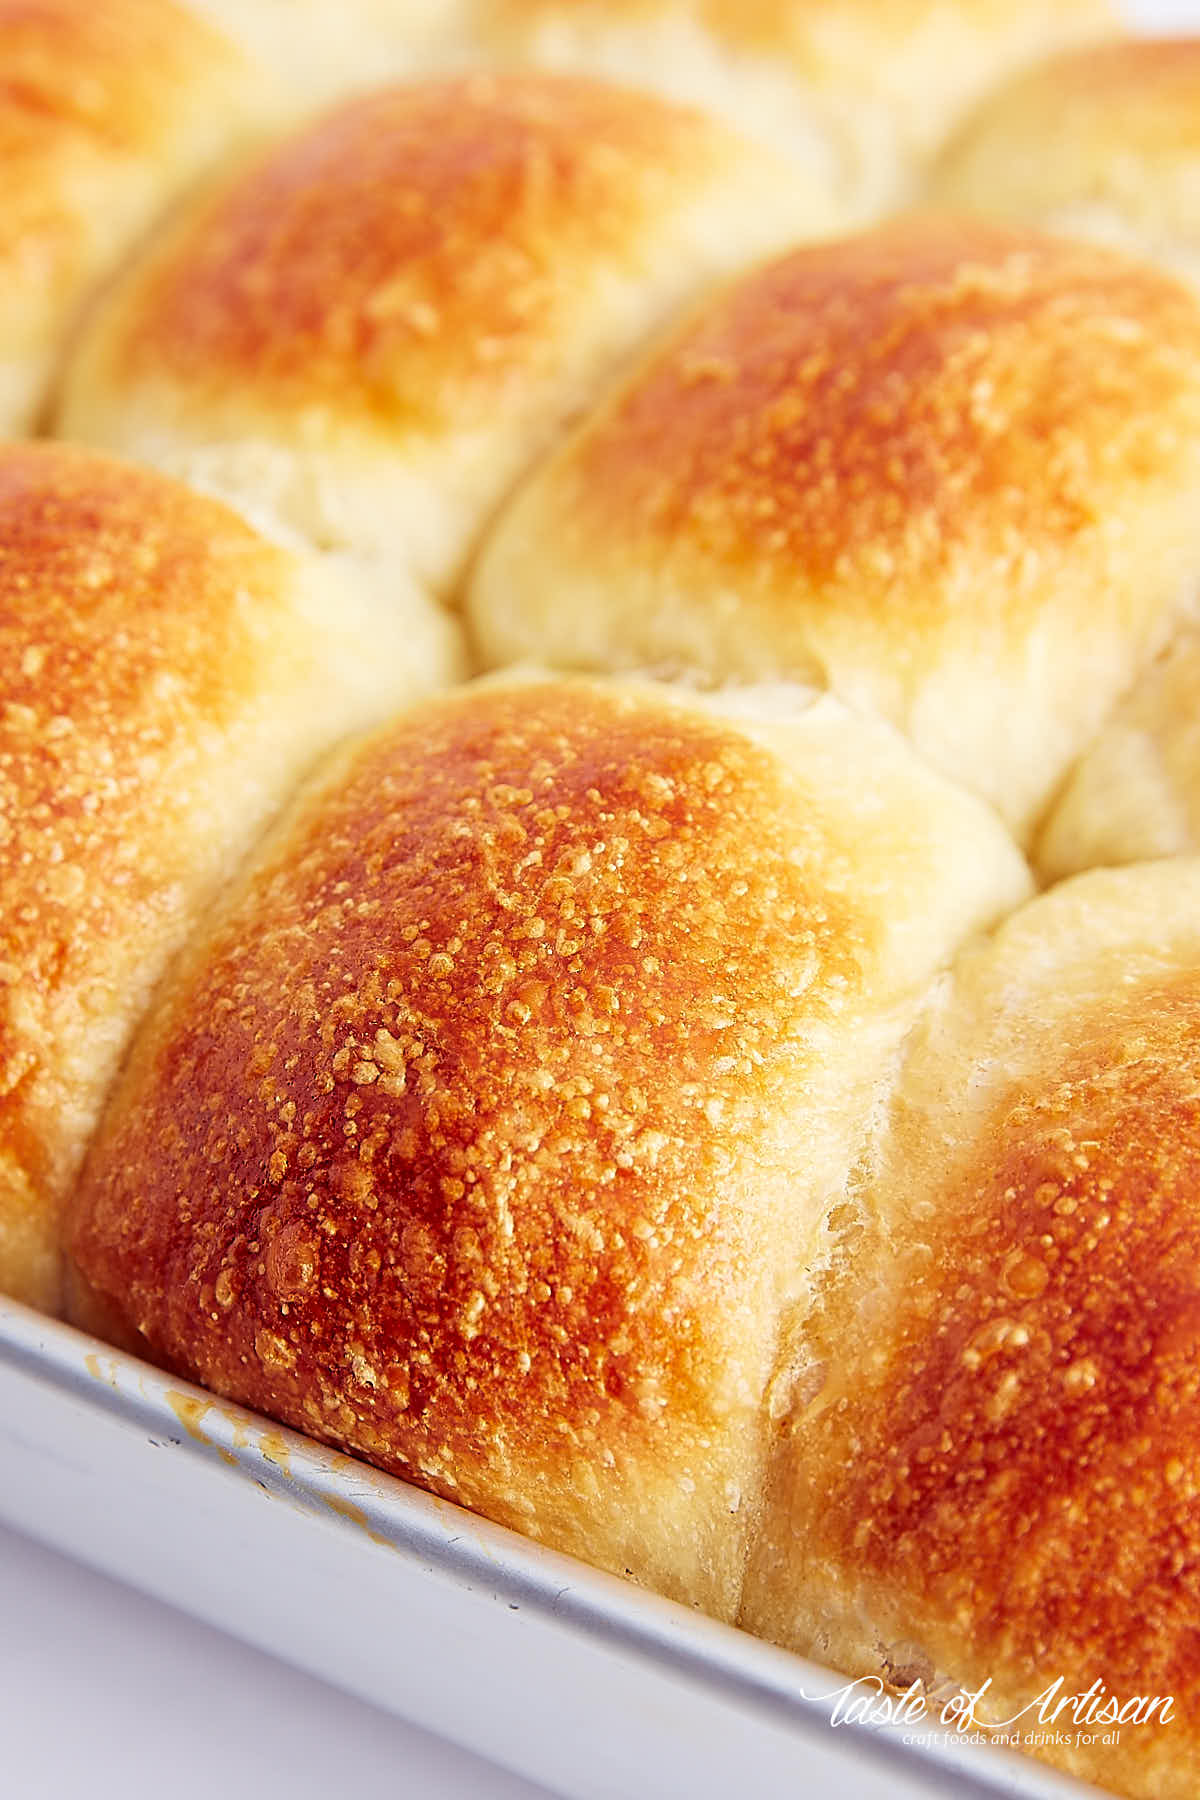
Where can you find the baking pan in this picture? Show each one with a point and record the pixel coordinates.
(587, 1684)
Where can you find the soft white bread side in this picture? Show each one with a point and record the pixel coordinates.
(321, 50)
(946, 468)
(166, 678)
(1101, 142)
(363, 338)
(856, 92)
(106, 111)
(493, 1121)
(990, 1468)
(1135, 794)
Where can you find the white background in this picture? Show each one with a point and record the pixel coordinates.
(105, 1695)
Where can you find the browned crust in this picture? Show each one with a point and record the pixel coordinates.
(1023, 1487)
(445, 1149)
(120, 621)
(855, 424)
(416, 242)
(85, 81)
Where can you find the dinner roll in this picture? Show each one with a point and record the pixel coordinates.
(990, 1470)
(1102, 142)
(165, 679)
(1136, 793)
(946, 468)
(365, 336)
(857, 91)
(105, 111)
(492, 1121)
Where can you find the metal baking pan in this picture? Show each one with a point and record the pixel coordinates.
(579, 1681)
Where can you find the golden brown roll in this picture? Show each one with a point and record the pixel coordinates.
(165, 679)
(1101, 142)
(106, 110)
(947, 469)
(989, 1474)
(489, 1126)
(1135, 794)
(364, 337)
(857, 91)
